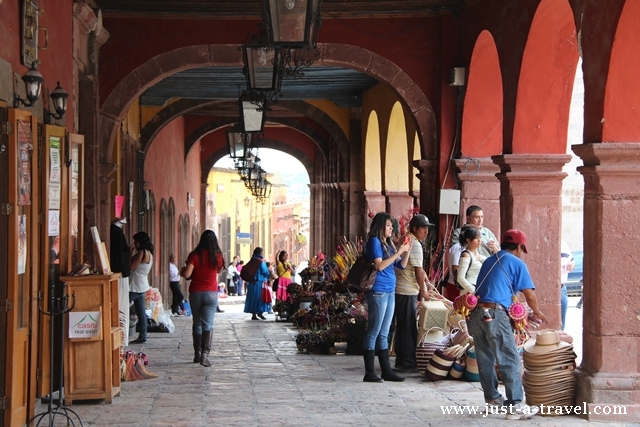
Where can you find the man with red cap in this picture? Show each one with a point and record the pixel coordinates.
(502, 276)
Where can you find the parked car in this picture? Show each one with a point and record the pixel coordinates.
(574, 283)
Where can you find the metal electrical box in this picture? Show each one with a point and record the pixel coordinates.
(456, 76)
(450, 202)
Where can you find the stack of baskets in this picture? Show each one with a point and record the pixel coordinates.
(432, 340)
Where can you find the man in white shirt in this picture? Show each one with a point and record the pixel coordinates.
(411, 282)
(174, 284)
(475, 217)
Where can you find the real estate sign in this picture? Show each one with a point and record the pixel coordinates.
(84, 324)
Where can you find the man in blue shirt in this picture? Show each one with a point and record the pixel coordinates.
(502, 276)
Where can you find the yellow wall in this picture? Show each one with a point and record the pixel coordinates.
(398, 142)
(372, 160)
(396, 165)
(228, 193)
(340, 115)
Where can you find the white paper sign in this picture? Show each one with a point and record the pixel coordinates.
(54, 195)
(84, 324)
(54, 223)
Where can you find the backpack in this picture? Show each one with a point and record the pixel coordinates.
(248, 272)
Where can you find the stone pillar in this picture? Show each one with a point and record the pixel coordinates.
(374, 203)
(345, 203)
(479, 186)
(531, 201)
(202, 215)
(610, 369)
(316, 220)
(398, 203)
(428, 187)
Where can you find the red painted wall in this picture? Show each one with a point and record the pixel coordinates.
(167, 176)
(411, 43)
(56, 62)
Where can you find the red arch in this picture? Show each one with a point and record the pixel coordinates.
(167, 63)
(546, 82)
(622, 92)
(483, 104)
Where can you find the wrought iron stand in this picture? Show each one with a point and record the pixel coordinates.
(58, 307)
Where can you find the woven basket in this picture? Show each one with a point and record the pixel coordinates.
(439, 366)
(471, 373)
(428, 344)
(461, 336)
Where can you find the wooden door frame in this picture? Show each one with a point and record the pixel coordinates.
(4, 249)
(20, 407)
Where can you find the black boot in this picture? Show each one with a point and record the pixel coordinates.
(206, 348)
(387, 372)
(197, 347)
(370, 375)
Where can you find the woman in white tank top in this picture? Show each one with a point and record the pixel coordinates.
(470, 261)
(141, 263)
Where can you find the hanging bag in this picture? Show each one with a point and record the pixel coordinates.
(362, 274)
(266, 293)
(248, 272)
(518, 311)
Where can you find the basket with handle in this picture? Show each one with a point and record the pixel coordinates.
(428, 345)
(442, 361)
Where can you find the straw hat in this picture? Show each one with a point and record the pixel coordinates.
(547, 341)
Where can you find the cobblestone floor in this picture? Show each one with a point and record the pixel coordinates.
(258, 378)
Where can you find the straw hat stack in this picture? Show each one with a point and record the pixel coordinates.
(548, 370)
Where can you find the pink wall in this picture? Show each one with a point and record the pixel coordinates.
(167, 177)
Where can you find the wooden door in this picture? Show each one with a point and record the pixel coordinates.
(22, 240)
(53, 253)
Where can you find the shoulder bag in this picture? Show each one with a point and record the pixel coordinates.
(455, 274)
(362, 274)
(248, 272)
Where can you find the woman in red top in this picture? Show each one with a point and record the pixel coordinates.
(202, 267)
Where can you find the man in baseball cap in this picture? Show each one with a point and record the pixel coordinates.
(502, 276)
(515, 236)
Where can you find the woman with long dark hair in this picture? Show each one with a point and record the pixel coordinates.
(202, 268)
(381, 298)
(140, 266)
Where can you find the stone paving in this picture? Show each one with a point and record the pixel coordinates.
(258, 378)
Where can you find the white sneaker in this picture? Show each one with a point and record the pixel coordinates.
(520, 411)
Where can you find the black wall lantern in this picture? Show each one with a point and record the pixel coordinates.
(59, 97)
(33, 82)
(293, 23)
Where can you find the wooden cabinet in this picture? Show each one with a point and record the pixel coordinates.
(92, 364)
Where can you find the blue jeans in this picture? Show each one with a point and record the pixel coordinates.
(381, 306)
(564, 303)
(138, 305)
(495, 343)
(239, 286)
(203, 309)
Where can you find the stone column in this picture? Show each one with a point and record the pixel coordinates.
(374, 203)
(316, 220)
(202, 215)
(479, 186)
(531, 201)
(345, 203)
(610, 369)
(398, 203)
(428, 187)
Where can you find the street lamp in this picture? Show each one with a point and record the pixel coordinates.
(33, 82)
(293, 23)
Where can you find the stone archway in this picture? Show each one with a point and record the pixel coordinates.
(163, 65)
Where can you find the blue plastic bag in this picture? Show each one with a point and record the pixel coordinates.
(185, 307)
